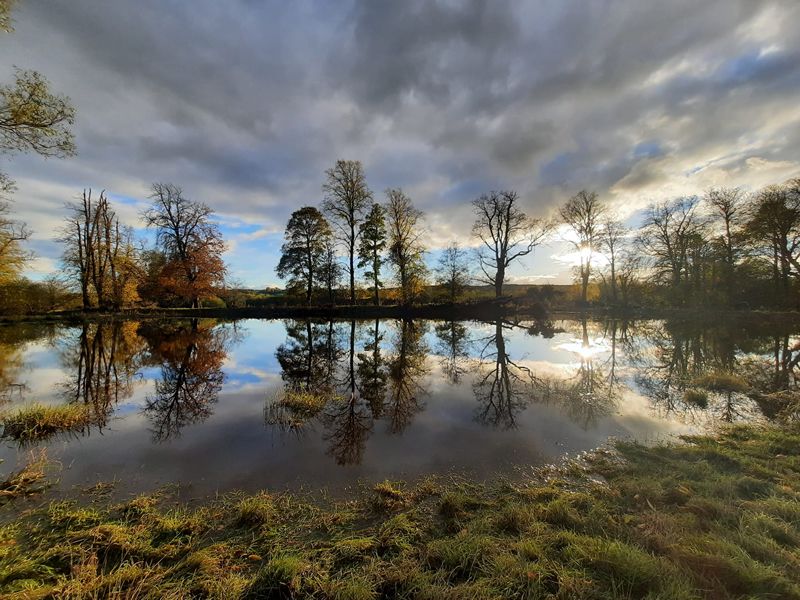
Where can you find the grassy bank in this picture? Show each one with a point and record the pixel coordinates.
(710, 518)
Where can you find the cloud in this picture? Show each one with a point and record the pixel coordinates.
(246, 104)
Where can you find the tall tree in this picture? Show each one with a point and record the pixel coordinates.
(346, 200)
(330, 273)
(727, 208)
(191, 241)
(372, 243)
(774, 225)
(307, 235)
(99, 251)
(453, 271)
(505, 233)
(667, 239)
(406, 252)
(611, 237)
(582, 214)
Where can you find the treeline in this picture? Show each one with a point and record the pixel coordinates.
(725, 247)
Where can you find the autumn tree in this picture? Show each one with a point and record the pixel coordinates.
(99, 252)
(347, 198)
(583, 214)
(32, 119)
(307, 235)
(406, 252)
(372, 243)
(453, 271)
(505, 233)
(13, 233)
(191, 242)
(5, 15)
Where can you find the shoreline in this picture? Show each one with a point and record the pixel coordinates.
(713, 516)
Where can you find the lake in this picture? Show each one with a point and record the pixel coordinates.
(213, 406)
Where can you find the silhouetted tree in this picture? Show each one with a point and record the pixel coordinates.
(583, 214)
(304, 251)
(453, 271)
(505, 233)
(330, 273)
(406, 252)
(346, 200)
(370, 250)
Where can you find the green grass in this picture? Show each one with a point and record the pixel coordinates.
(711, 517)
(36, 422)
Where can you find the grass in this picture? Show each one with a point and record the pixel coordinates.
(27, 481)
(36, 422)
(711, 517)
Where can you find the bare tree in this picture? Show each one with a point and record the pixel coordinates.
(406, 251)
(666, 239)
(727, 205)
(100, 252)
(347, 198)
(583, 214)
(506, 234)
(612, 237)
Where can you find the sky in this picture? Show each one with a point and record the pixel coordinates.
(245, 103)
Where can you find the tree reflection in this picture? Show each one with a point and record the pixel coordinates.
(13, 339)
(591, 393)
(726, 372)
(453, 342)
(103, 362)
(503, 387)
(191, 356)
(372, 372)
(407, 367)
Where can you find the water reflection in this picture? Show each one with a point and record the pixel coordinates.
(103, 360)
(270, 401)
(190, 357)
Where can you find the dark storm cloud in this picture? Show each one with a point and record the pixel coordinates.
(246, 103)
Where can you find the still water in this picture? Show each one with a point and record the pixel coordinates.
(203, 404)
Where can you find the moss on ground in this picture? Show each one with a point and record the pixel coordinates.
(713, 517)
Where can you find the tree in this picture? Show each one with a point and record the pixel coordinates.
(33, 119)
(668, 240)
(5, 15)
(453, 271)
(100, 253)
(372, 234)
(582, 214)
(13, 255)
(330, 269)
(346, 199)
(774, 227)
(406, 252)
(191, 242)
(727, 206)
(307, 234)
(505, 234)
(611, 236)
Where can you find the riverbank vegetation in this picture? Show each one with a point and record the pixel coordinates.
(710, 517)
